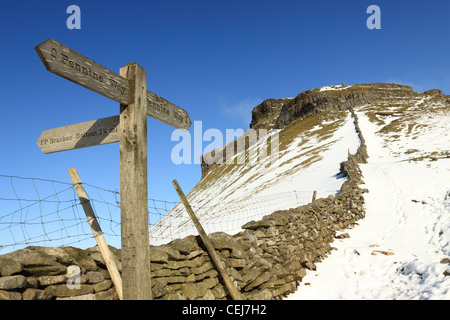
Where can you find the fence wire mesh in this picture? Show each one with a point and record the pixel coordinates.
(45, 212)
(41, 212)
(224, 216)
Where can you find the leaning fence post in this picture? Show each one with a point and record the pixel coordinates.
(314, 196)
(235, 294)
(97, 231)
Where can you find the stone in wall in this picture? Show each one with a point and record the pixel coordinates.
(40, 273)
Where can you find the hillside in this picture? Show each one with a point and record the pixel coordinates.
(399, 249)
(228, 196)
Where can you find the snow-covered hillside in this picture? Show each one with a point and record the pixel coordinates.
(230, 196)
(401, 250)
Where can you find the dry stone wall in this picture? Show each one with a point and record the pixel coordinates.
(265, 261)
(41, 273)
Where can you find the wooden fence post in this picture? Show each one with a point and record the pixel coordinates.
(314, 196)
(97, 231)
(133, 187)
(235, 294)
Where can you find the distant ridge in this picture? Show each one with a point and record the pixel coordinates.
(278, 113)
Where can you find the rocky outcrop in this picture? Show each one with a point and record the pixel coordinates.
(265, 114)
(278, 113)
(334, 99)
(434, 92)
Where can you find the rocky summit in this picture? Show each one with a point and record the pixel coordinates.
(326, 101)
(277, 113)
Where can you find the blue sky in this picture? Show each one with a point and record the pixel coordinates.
(215, 59)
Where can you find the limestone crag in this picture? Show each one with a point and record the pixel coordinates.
(277, 113)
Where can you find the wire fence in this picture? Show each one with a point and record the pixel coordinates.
(41, 212)
(223, 216)
(45, 212)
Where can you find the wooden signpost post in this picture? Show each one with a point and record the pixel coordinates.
(130, 130)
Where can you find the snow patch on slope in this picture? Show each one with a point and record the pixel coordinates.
(336, 87)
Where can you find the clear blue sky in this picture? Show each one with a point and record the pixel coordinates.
(216, 59)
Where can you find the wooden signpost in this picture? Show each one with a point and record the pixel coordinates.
(130, 130)
(69, 64)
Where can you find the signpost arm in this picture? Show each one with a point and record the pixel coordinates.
(133, 188)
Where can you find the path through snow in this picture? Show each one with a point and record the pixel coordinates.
(407, 218)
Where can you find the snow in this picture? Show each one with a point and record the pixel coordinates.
(407, 215)
(336, 87)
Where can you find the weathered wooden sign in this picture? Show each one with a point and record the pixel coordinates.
(80, 135)
(165, 111)
(130, 130)
(77, 68)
